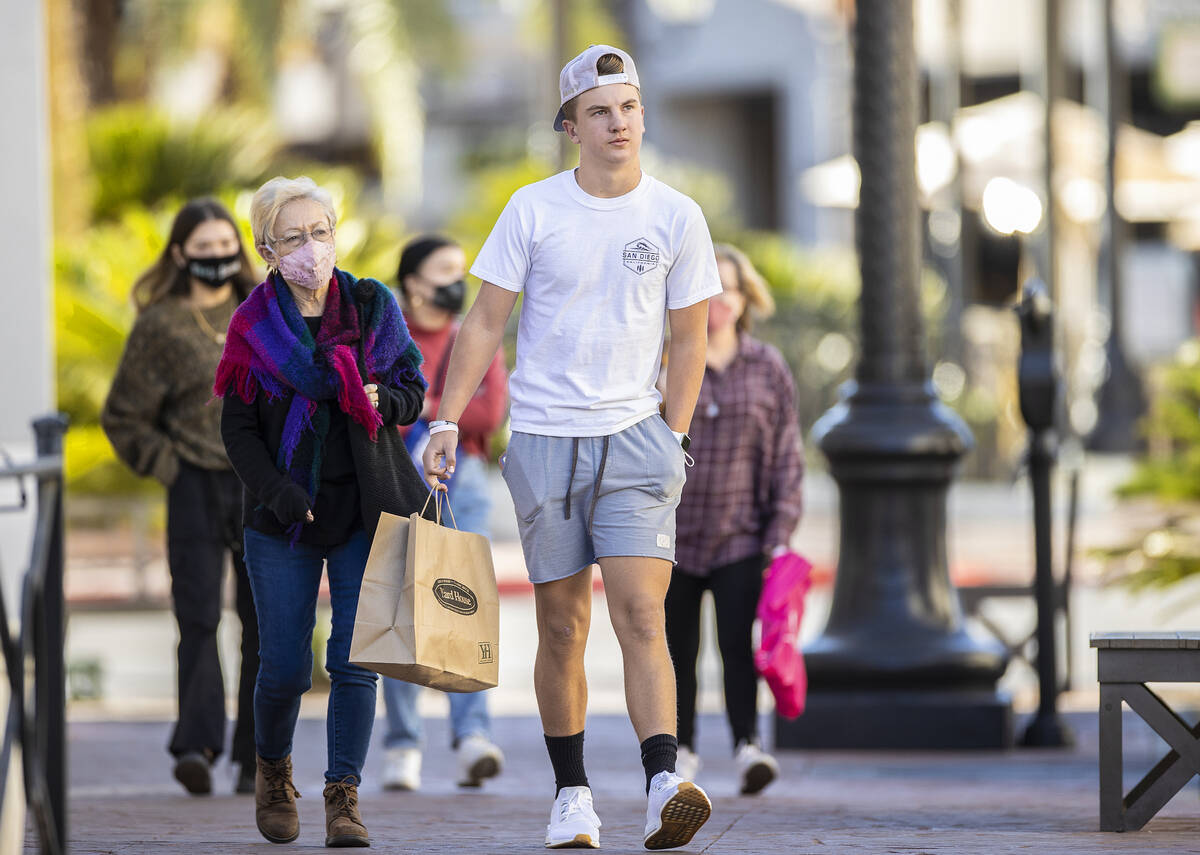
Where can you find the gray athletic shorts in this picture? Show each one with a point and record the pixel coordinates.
(579, 499)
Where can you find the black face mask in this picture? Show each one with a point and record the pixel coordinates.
(215, 272)
(450, 297)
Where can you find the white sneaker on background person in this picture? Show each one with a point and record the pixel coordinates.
(675, 810)
(756, 768)
(687, 763)
(478, 759)
(573, 821)
(402, 769)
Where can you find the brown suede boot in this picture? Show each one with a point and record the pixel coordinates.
(343, 825)
(275, 800)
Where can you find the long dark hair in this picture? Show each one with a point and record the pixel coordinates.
(414, 254)
(166, 278)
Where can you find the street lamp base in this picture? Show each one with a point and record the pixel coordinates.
(900, 720)
(1047, 730)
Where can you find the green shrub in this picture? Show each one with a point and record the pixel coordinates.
(139, 157)
(1170, 475)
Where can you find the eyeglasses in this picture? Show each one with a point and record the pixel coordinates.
(297, 240)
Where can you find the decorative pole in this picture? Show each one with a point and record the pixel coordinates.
(1121, 400)
(895, 667)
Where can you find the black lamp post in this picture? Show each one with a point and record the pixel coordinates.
(894, 667)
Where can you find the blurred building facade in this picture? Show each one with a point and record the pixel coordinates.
(756, 91)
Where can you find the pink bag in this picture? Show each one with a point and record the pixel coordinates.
(780, 608)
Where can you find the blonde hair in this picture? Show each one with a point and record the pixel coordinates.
(759, 302)
(271, 197)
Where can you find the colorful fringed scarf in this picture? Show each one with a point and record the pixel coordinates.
(269, 348)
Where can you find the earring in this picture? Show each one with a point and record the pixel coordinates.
(418, 302)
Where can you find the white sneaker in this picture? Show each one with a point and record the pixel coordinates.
(478, 759)
(675, 811)
(402, 769)
(756, 768)
(687, 763)
(573, 821)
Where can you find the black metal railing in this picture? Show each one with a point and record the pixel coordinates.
(33, 656)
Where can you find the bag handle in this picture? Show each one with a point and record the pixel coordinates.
(438, 506)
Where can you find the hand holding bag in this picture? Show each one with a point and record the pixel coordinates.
(780, 609)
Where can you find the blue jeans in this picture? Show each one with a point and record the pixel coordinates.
(285, 580)
(468, 710)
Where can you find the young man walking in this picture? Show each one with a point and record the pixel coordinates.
(604, 255)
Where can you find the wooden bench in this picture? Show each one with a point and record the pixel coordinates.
(1126, 662)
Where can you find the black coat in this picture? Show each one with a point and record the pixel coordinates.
(253, 434)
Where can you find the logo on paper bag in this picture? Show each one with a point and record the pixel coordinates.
(640, 255)
(486, 656)
(455, 596)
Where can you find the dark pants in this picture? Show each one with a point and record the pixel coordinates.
(204, 521)
(735, 589)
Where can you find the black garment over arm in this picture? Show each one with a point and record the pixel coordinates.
(400, 405)
(242, 434)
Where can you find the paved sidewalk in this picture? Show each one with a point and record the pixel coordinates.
(124, 801)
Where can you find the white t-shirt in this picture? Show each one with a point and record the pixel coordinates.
(598, 276)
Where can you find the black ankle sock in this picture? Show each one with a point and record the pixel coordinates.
(658, 755)
(566, 756)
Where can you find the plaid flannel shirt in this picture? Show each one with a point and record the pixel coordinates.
(743, 497)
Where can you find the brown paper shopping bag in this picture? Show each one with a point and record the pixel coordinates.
(428, 611)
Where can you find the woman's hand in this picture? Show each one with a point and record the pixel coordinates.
(372, 394)
(291, 505)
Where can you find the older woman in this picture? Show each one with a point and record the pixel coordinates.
(159, 422)
(290, 377)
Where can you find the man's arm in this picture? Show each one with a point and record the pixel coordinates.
(685, 363)
(478, 339)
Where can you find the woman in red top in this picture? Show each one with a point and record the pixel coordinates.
(740, 505)
(432, 296)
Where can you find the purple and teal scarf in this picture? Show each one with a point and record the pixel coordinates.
(270, 349)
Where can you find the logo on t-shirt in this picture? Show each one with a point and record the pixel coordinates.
(640, 255)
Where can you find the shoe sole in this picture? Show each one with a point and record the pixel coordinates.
(579, 841)
(346, 841)
(480, 771)
(681, 818)
(195, 776)
(273, 839)
(757, 778)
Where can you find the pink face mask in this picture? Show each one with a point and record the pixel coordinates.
(310, 266)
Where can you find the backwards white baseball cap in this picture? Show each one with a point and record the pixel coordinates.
(580, 74)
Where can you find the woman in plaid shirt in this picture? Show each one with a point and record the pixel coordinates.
(740, 505)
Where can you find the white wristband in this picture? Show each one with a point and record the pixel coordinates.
(443, 427)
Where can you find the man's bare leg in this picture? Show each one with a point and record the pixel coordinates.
(636, 589)
(564, 615)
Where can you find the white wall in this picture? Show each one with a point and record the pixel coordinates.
(26, 307)
(26, 316)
